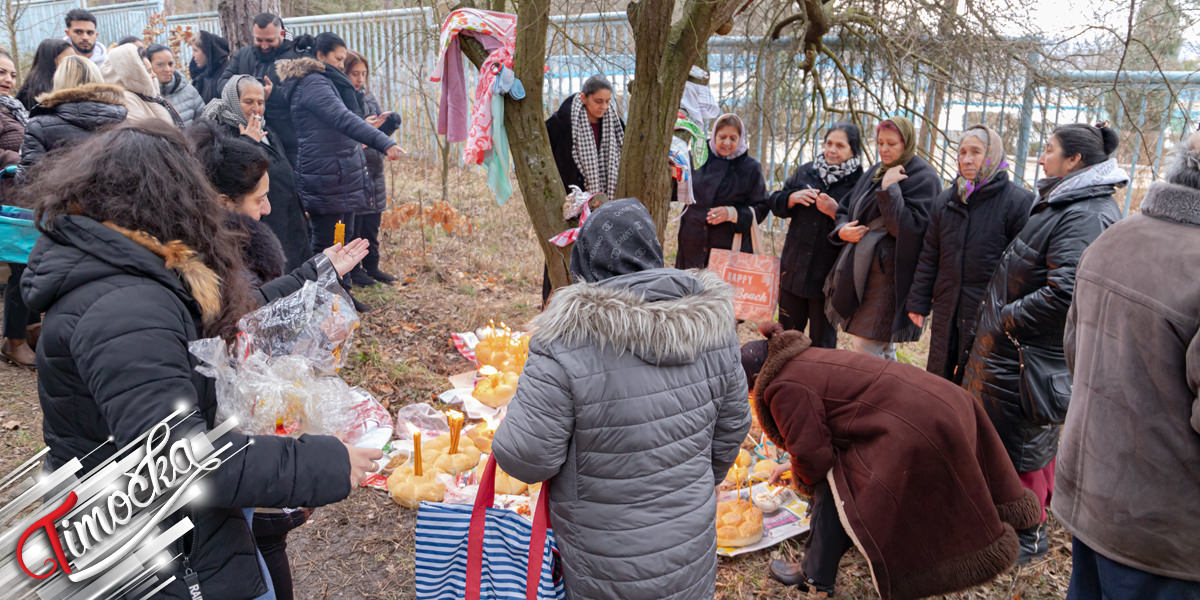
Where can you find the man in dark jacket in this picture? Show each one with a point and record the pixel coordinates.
(258, 61)
(1129, 465)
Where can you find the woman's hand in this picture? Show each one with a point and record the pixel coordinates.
(777, 473)
(918, 320)
(803, 197)
(827, 205)
(254, 129)
(721, 214)
(345, 258)
(852, 232)
(362, 462)
(377, 121)
(895, 174)
(394, 152)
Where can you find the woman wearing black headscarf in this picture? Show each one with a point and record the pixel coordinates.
(210, 52)
(810, 198)
(730, 197)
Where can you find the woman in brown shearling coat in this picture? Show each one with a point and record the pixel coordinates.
(899, 462)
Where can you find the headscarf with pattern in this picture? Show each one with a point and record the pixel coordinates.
(993, 160)
(908, 134)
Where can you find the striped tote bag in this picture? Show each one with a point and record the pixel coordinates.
(485, 553)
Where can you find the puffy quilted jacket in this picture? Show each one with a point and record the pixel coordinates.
(632, 405)
(331, 169)
(183, 97)
(67, 116)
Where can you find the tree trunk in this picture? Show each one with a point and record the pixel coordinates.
(533, 162)
(237, 16)
(664, 55)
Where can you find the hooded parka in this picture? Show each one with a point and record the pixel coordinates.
(66, 117)
(1028, 298)
(141, 92)
(183, 97)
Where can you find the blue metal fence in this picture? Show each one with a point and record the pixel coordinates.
(784, 109)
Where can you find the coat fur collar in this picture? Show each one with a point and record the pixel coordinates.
(619, 318)
(298, 68)
(781, 349)
(203, 283)
(89, 92)
(1172, 202)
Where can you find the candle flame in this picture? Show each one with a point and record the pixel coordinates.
(413, 429)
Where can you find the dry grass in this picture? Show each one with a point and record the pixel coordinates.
(362, 548)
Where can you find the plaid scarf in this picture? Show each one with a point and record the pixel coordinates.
(599, 167)
(831, 174)
(227, 108)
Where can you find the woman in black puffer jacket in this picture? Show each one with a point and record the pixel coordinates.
(134, 264)
(1030, 292)
(80, 105)
(331, 169)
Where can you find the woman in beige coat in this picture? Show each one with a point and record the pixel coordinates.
(126, 68)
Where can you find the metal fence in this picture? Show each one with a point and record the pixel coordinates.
(761, 79)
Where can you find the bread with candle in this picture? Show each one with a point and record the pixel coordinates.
(409, 489)
(482, 436)
(496, 389)
(739, 523)
(736, 474)
(435, 454)
(505, 483)
(744, 459)
(763, 469)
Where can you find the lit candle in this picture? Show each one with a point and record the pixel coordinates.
(455, 420)
(339, 233)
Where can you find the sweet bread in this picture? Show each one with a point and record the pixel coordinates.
(743, 459)
(408, 489)
(739, 523)
(435, 454)
(496, 389)
(482, 436)
(505, 483)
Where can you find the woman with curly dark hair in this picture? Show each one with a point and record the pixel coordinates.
(135, 263)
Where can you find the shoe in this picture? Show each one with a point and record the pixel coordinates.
(790, 573)
(18, 353)
(32, 334)
(381, 277)
(360, 278)
(359, 306)
(1034, 542)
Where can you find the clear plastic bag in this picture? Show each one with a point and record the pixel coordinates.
(316, 322)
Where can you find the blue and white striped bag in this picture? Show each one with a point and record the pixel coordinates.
(504, 567)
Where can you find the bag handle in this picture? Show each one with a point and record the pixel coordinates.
(755, 241)
(485, 498)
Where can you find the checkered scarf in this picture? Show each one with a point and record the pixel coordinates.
(599, 167)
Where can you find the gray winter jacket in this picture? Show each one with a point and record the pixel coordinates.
(183, 97)
(632, 406)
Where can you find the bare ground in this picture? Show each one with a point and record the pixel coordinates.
(362, 548)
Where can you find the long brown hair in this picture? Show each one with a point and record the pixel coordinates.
(143, 177)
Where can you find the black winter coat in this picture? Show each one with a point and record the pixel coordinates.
(331, 169)
(808, 255)
(558, 127)
(68, 116)
(207, 79)
(902, 212)
(265, 264)
(287, 219)
(113, 361)
(736, 182)
(378, 202)
(1027, 298)
(963, 243)
(278, 110)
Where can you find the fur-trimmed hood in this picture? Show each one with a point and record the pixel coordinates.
(781, 348)
(85, 250)
(104, 93)
(1172, 202)
(298, 68)
(664, 316)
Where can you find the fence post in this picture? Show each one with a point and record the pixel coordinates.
(1026, 118)
(1137, 147)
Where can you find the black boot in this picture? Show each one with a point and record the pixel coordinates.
(790, 573)
(360, 278)
(1035, 544)
(381, 277)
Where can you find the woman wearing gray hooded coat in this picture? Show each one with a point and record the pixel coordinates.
(632, 407)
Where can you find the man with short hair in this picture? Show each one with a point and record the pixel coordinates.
(258, 61)
(1128, 467)
(81, 32)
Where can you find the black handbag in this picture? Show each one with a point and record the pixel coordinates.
(1044, 384)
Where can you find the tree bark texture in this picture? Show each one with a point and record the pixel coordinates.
(237, 17)
(665, 52)
(533, 162)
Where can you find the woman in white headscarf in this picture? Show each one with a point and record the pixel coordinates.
(730, 195)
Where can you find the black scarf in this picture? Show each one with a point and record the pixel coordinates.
(352, 98)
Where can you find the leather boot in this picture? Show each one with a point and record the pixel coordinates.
(18, 353)
(790, 573)
(1035, 544)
